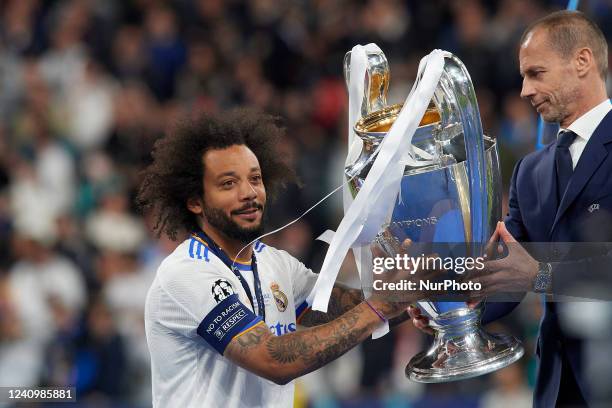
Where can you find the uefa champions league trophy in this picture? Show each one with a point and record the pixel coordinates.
(450, 192)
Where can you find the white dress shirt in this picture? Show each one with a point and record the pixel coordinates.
(584, 127)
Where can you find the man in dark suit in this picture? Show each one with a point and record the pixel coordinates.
(560, 194)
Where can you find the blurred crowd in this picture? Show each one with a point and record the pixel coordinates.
(86, 87)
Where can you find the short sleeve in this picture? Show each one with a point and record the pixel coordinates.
(204, 304)
(303, 281)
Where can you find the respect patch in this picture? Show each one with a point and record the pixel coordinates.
(229, 318)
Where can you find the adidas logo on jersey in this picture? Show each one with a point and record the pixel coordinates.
(279, 329)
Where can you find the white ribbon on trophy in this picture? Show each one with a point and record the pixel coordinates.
(372, 206)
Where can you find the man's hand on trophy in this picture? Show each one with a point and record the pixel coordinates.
(399, 284)
(515, 272)
(493, 250)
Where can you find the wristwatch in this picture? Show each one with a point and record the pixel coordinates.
(543, 279)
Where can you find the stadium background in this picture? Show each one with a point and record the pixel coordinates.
(86, 87)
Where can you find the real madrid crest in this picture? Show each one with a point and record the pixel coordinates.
(279, 297)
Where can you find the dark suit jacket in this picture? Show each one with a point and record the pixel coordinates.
(536, 216)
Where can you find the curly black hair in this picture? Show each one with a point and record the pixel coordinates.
(177, 172)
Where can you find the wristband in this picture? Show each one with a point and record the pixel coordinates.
(376, 311)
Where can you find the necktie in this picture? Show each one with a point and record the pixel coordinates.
(563, 162)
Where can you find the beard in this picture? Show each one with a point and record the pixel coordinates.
(560, 109)
(218, 219)
(555, 114)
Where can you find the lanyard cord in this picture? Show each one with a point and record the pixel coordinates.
(261, 310)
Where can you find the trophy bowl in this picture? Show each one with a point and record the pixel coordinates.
(450, 199)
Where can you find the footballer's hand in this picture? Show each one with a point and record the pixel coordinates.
(394, 302)
(419, 320)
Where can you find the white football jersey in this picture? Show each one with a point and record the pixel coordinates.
(194, 308)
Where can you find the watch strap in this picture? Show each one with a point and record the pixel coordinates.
(543, 280)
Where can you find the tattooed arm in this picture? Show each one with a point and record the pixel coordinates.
(341, 301)
(281, 359)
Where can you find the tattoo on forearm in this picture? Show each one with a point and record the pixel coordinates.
(252, 338)
(286, 349)
(341, 301)
(319, 346)
(292, 355)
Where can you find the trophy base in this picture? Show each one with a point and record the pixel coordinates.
(461, 353)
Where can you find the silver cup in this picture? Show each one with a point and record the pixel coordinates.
(451, 195)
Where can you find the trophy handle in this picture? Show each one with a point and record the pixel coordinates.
(376, 80)
(455, 98)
